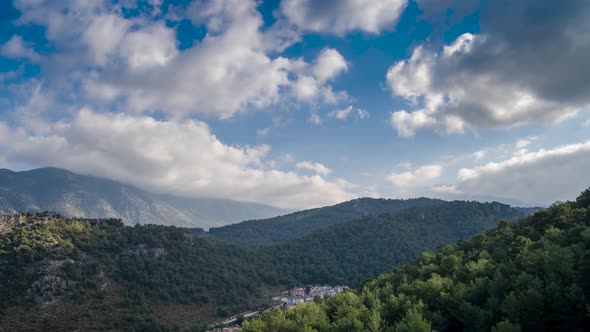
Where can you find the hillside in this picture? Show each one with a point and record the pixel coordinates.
(65, 274)
(349, 253)
(533, 275)
(70, 194)
(55, 270)
(295, 225)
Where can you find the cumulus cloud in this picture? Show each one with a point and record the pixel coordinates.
(153, 46)
(133, 62)
(103, 35)
(314, 167)
(310, 84)
(526, 65)
(342, 16)
(183, 158)
(524, 176)
(415, 178)
(329, 64)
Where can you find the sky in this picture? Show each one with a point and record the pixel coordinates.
(300, 103)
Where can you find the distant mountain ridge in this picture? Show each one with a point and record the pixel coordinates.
(71, 194)
(298, 224)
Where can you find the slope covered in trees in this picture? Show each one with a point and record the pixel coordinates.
(58, 273)
(69, 273)
(298, 224)
(533, 275)
(349, 253)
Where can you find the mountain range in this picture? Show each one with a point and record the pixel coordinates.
(55, 270)
(71, 194)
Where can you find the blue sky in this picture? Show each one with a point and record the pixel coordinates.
(299, 103)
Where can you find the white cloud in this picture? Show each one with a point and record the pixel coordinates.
(503, 77)
(328, 64)
(169, 156)
(341, 114)
(306, 88)
(342, 16)
(362, 114)
(134, 63)
(344, 113)
(406, 123)
(103, 36)
(315, 167)
(310, 84)
(418, 177)
(154, 45)
(524, 176)
(17, 48)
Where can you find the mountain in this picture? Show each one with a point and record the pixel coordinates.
(298, 224)
(61, 273)
(70, 194)
(533, 275)
(352, 252)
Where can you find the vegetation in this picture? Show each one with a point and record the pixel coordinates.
(295, 225)
(132, 277)
(48, 259)
(353, 252)
(533, 275)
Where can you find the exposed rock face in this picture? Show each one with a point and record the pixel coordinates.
(9, 221)
(139, 251)
(50, 286)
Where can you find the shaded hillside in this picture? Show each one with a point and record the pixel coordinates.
(298, 224)
(70, 194)
(352, 252)
(533, 275)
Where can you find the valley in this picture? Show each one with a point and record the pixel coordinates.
(176, 278)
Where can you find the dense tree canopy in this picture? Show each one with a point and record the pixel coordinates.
(138, 274)
(532, 275)
(296, 225)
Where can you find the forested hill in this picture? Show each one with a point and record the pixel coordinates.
(67, 273)
(533, 275)
(349, 253)
(70, 274)
(298, 224)
(71, 194)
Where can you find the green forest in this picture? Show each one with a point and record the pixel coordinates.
(352, 252)
(532, 275)
(296, 225)
(121, 277)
